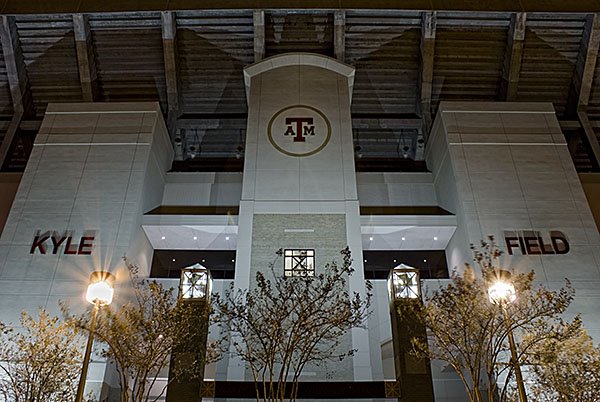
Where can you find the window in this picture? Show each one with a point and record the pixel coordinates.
(298, 262)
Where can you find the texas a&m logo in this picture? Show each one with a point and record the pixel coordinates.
(299, 130)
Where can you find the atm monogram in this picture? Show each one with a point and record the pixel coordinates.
(301, 131)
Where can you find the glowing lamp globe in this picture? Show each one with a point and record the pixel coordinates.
(100, 290)
(502, 292)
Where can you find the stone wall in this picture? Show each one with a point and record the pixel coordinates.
(94, 170)
(506, 167)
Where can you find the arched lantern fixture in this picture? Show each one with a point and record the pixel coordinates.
(195, 283)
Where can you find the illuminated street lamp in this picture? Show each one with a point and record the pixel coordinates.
(501, 292)
(100, 293)
(411, 372)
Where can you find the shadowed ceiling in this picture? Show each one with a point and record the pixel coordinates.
(406, 63)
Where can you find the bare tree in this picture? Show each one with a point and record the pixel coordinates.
(471, 334)
(140, 334)
(285, 323)
(39, 362)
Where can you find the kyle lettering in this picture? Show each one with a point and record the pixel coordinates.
(43, 241)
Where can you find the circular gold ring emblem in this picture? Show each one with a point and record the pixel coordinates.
(299, 130)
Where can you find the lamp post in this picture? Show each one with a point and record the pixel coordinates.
(502, 292)
(413, 375)
(100, 292)
(195, 286)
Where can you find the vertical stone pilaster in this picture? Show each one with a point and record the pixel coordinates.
(299, 186)
(505, 167)
(94, 170)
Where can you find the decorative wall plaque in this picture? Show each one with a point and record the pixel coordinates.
(299, 130)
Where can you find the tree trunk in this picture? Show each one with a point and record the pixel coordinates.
(478, 396)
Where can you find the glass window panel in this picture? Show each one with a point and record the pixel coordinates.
(299, 262)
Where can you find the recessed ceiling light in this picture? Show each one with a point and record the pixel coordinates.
(365, 260)
(232, 260)
(370, 239)
(163, 237)
(424, 260)
(394, 260)
(195, 237)
(203, 260)
(173, 259)
(435, 238)
(226, 237)
(404, 238)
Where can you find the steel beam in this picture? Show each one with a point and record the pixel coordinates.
(15, 67)
(258, 18)
(586, 63)
(582, 83)
(428, 28)
(514, 56)
(13, 127)
(169, 40)
(88, 75)
(590, 136)
(339, 34)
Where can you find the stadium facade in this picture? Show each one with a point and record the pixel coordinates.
(307, 146)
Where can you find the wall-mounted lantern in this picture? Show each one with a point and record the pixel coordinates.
(413, 374)
(195, 287)
(195, 283)
(403, 283)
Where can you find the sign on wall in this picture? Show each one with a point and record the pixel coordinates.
(299, 130)
(53, 242)
(532, 242)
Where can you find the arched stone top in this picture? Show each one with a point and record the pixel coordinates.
(298, 59)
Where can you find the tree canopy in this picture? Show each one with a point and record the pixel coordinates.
(283, 324)
(566, 370)
(470, 333)
(138, 335)
(40, 361)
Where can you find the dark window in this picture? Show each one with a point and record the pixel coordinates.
(168, 263)
(430, 263)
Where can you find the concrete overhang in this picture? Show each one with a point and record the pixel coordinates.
(220, 232)
(407, 232)
(190, 232)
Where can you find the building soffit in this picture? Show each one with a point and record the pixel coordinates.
(83, 6)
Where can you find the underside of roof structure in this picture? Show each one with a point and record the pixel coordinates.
(191, 61)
